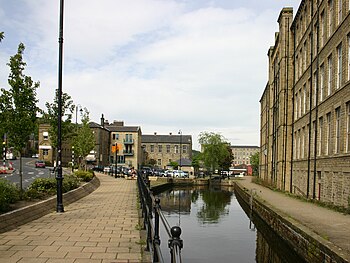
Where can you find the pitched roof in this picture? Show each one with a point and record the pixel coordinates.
(123, 128)
(185, 139)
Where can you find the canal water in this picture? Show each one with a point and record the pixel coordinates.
(215, 228)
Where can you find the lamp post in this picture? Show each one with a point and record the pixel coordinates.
(72, 159)
(59, 177)
(180, 132)
(4, 153)
(76, 112)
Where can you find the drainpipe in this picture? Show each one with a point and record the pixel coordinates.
(293, 100)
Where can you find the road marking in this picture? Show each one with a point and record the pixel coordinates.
(30, 172)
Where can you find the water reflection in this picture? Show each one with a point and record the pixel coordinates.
(215, 228)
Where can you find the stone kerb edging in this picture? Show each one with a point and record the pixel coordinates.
(29, 213)
(307, 244)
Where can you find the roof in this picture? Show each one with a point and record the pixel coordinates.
(185, 139)
(96, 125)
(123, 128)
(245, 146)
(184, 162)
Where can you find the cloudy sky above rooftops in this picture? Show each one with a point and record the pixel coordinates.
(164, 65)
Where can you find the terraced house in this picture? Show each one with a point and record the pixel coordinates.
(305, 107)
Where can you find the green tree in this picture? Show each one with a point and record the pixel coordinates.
(254, 161)
(18, 105)
(214, 149)
(84, 140)
(51, 115)
(175, 165)
(226, 162)
(2, 36)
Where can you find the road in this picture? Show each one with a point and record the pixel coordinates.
(30, 173)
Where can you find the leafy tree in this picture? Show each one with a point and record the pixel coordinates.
(2, 36)
(84, 141)
(226, 162)
(254, 161)
(214, 149)
(18, 105)
(50, 117)
(175, 165)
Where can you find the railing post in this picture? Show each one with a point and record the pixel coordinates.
(156, 239)
(175, 241)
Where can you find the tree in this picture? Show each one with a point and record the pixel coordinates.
(214, 149)
(2, 36)
(84, 140)
(254, 161)
(18, 105)
(51, 115)
(226, 162)
(173, 164)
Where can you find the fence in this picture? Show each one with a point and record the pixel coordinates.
(152, 217)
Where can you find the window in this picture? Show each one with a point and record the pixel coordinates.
(340, 11)
(160, 148)
(159, 162)
(349, 56)
(330, 75)
(299, 113)
(304, 99)
(315, 89)
(339, 66)
(46, 135)
(321, 82)
(320, 136)
(330, 17)
(313, 140)
(295, 145)
(348, 127)
(152, 148)
(322, 29)
(176, 148)
(302, 143)
(128, 137)
(115, 136)
(328, 135)
(298, 147)
(45, 152)
(296, 67)
(296, 106)
(168, 148)
(184, 148)
(337, 130)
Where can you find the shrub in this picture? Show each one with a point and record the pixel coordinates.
(70, 182)
(42, 187)
(84, 176)
(9, 194)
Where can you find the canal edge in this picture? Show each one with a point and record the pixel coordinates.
(309, 245)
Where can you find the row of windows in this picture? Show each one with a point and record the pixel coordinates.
(331, 16)
(333, 135)
(330, 78)
(128, 137)
(152, 148)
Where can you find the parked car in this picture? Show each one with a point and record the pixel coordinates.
(106, 169)
(39, 164)
(180, 174)
(146, 171)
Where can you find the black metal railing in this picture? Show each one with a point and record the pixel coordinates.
(152, 216)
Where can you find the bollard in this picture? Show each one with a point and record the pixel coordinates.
(175, 241)
(156, 239)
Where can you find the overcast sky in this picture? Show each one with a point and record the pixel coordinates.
(164, 65)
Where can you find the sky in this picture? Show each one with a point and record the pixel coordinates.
(164, 65)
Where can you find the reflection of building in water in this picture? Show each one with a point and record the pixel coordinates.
(176, 199)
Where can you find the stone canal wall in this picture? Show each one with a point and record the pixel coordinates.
(306, 244)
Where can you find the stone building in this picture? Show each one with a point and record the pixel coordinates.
(165, 149)
(128, 141)
(241, 153)
(305, 107)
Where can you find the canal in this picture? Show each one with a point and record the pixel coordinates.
(216, 228)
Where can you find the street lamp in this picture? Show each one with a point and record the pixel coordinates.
(180, 132)
(76, 112)
(59, 177)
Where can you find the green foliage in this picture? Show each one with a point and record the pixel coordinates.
(50, 117)
(175, 165)
(70, 182)
(18, 104)
(215, 149)
(2, 36)
(84, 176)
(84, 140)
(225, 163)
(254, 161)
(8, 195)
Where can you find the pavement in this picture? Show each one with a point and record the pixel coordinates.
(101, 227)
(330, 226)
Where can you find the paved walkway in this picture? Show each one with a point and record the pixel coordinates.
(101, 227)
(331, 226)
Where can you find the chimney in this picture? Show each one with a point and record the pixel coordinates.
(155, 133)
(102, 121)
(170, 133)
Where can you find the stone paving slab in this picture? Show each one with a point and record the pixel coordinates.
(101, 227)
(329, 225)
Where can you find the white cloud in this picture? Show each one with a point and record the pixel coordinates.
(163, 65)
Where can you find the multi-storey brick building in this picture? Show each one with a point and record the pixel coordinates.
(242, 153)
(167, 148)
(305, 107)
(128, 142)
